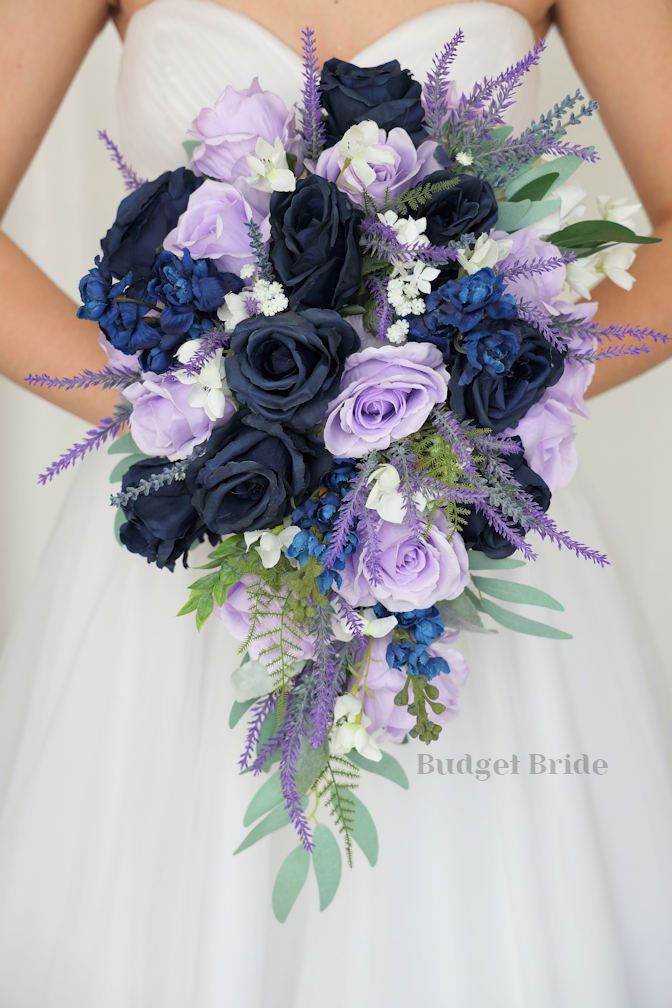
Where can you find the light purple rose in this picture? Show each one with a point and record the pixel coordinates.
(399, 168)
(547, 433)
(413, 575)
(230, 129)
(163, 422)
(543, 288)
(383, 683)
(387, 393)
(214, 226)
(235, 615)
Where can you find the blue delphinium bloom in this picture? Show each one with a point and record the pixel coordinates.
(478, 302)
(186, 287)
(98, 294)
(423, 626)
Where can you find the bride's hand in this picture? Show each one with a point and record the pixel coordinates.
(41, 47)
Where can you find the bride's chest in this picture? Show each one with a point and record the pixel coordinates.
(343, 27)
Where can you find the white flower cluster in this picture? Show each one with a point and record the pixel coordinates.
(264, 297)
(271, 545)
(409, 280)
(613, 262)
(208, 388)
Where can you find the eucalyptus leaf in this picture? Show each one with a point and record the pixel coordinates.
(562, 167)
(587, 233)
(462, 614)
(512, 621)
(122, 467)
(267, 797)
(511, 591)
(536, 189)
(514, 216)
(124, 445)
(189, 147)
(275, 820)
(327, 864)
(352, 309)
(289, 882)
(237, 711)
(387, 767)
(364, 831)
(479, 561)
(119, 519)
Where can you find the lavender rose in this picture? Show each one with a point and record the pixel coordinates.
(548, 436)
(383, 164)
(214, 226)
(412, 574)
(383, 683)
(229, 131)
(163, 422)
(387, 393)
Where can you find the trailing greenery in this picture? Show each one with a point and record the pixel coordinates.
(424, 695)
(334, 789)
(414, 199)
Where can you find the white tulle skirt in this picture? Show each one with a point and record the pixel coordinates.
(120, 807)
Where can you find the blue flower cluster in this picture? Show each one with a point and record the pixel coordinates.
(474, 310)
(155, 316)
(410, 650)
(499, 365)
(315, 518)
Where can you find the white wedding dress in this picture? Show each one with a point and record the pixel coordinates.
(120, 804)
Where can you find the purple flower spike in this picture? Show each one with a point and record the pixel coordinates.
(107, 429)
(312, 124)
(131, 180)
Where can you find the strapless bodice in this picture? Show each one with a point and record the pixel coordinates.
(180, 54)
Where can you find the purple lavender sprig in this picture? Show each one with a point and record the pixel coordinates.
(350, 510)
(131, 179)
(312, 124)
(370, 545)
(108, 428)
(437, 83)
(351, 618)
(173, 472)
(384, 315)
(210, 343)
(380, 240)
(538, 316)
(107, 378)
(259, 711)
(327, 677)
(524, 268)
(258, 246)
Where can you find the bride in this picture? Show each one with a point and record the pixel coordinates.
(119, 805)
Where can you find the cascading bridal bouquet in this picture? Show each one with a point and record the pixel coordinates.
(349, 354)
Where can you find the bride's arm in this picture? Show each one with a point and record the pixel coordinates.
(41, 47)
(623, 52)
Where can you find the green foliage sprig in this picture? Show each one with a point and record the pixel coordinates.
(424, 695)
(334, 789)
(414, 199)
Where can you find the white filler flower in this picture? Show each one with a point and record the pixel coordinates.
(270, 545)
(269, 169)
(349, 731)
(487, 251)
(385, 498)
(208, 388)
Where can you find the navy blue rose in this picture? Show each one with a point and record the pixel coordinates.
(386, 94)
(163, 525)
(499, 400)
(143, 220)
(287, 367)
(315, 244)
(478, 534)
(188, 287)
(469, 207)
(251, 474)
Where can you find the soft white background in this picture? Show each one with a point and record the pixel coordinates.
(71, 184)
